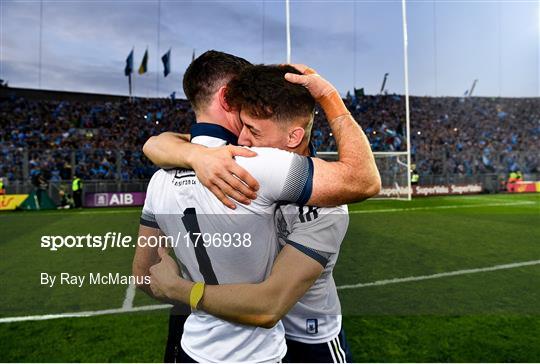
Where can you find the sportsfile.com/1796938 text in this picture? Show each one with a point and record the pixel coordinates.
(119, 240)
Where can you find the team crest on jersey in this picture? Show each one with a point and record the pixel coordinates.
(182, 177)
(312, 326)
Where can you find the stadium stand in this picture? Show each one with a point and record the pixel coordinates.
(99, 137)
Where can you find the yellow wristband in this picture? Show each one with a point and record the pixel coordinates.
(196, 294)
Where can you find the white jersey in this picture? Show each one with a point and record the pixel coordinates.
(218, 245)
(318, 232)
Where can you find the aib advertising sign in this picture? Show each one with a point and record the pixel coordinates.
(114, 199)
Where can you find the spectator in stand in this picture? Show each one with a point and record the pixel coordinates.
(464, 136)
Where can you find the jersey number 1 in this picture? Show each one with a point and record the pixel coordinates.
(192, 226)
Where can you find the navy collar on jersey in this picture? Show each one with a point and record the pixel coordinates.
(213, 130)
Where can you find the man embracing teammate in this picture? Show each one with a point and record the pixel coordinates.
(268, 110)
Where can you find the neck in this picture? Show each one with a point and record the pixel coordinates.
(214, 114)
(212, 119)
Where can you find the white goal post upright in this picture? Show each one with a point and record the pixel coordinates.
(288, 29)
(395, 173)
(407, 110)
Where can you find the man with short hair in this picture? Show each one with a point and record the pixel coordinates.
(310, 236)
(210, 72)
(291, 178)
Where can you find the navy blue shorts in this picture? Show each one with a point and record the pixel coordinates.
(177, 318)
(334, 351)
(182, 357)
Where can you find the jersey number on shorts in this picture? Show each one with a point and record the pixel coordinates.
(192, 226)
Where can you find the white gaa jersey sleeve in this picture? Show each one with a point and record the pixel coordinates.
(282, 176)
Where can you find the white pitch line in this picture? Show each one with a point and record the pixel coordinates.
(384, 282)
(130, 295)
(347, 286)
(406, 209)
(83, 314)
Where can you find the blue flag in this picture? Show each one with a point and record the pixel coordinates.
(166, 59)
(129, 64)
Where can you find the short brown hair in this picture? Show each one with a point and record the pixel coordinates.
(264, 93)
(207, 73)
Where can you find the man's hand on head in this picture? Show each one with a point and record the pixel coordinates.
(322, 91)
(218, 171)
(354, 177)
(317, 86)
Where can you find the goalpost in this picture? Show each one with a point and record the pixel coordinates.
(394, 167)
(407, 110)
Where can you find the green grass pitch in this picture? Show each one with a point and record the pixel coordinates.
(479, 313)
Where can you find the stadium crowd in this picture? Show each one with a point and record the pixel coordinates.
(103, 140)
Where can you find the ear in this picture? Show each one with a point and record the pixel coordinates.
(296, 135)
(222, 102)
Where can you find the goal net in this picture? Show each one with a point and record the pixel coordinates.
(394, 173)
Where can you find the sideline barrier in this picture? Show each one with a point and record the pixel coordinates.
(523, 186)
(433, 190)
(11, 202)
(109, 199)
